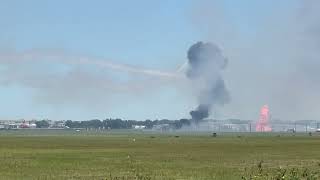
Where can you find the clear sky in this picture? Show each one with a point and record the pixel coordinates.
(143, 33)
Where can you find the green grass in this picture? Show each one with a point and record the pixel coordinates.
(114, 155)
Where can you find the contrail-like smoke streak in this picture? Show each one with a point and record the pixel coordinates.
(56, 77)
(61, 57)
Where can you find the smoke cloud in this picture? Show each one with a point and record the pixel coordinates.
(206, 63)
(275, 55)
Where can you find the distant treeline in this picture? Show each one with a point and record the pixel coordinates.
(149, 124)
(125, 124)
(128, 124)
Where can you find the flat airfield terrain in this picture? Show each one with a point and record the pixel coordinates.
(67, 154)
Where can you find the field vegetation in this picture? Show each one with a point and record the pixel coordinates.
(67, 154)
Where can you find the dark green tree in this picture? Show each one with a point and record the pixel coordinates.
(42, 124)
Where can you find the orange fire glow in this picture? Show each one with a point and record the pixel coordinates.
(263, 123)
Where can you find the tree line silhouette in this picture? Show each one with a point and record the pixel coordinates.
(125, 124)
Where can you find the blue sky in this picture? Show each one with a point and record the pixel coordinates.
(143, 33)
(148, 34)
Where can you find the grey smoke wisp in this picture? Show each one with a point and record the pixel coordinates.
(58, 77)
(206, 64)
(62, 57)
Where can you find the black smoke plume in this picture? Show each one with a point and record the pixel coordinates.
(206, 63)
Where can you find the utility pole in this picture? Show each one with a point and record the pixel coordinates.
(306, 127)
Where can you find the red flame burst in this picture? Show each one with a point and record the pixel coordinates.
(263, 123)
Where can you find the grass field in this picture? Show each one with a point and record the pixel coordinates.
(137, 155)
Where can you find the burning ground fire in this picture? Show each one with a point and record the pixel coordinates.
(263, 123)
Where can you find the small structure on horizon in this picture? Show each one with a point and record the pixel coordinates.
(139, 127)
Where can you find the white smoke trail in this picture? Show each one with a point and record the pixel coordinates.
(183, 67)
(62, 57)
(57, 78)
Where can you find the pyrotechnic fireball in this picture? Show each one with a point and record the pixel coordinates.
(263, 123)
